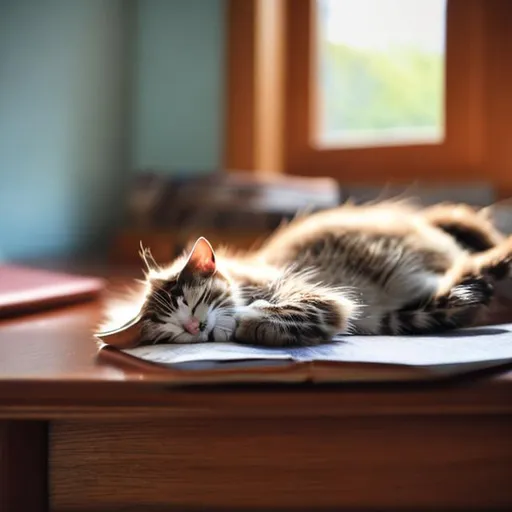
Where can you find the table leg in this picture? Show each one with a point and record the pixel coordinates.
(23, 466)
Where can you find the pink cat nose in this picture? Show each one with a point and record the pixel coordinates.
(192, 325)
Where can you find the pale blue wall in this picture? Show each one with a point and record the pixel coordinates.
(178, 86)
(90, 89)
(62, 118)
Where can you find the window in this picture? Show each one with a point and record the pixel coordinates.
(445, 141)
(367, 91)
(380, 72)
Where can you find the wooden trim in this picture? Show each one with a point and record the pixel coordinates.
(255, 85)
(240, 85)
(498, 96)
(458, 158)
(270, 109)
(269, 86)
(24, 466)
(302, 464)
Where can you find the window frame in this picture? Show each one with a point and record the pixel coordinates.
(268, 98)
(460, 154)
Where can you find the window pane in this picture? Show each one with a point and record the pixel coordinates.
(381, 72)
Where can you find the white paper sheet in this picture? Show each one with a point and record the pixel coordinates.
(476, 345)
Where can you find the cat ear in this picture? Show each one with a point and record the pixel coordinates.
(202, 259)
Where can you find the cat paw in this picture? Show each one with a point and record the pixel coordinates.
(224, 329)
(256, 309)
(265, 332)
(472, 291)
(256, 331)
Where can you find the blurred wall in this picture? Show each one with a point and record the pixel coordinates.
(178, 84)
(90, 89)
(62, 119)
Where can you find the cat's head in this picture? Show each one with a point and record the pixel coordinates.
(190, 301)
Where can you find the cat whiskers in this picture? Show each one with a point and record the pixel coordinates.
(164, 306)
(160, 337)
(160, 301)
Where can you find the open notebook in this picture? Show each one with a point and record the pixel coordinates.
(346, 359)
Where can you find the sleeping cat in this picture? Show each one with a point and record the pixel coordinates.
(386, 268)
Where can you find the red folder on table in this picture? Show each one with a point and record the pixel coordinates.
(24, 289)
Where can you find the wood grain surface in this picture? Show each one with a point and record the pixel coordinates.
(49, 369)
(421, 463)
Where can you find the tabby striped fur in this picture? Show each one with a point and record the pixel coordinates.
(387, 268)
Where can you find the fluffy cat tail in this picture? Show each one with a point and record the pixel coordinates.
(459, 307)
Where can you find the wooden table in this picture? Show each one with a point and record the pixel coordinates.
(82, 436)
